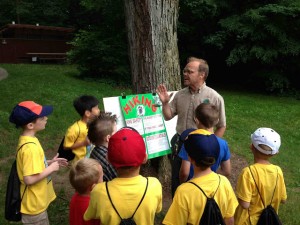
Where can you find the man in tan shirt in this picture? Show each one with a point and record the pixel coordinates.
(186, 101)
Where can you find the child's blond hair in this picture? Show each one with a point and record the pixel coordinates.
(84, 174)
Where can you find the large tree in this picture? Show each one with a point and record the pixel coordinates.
(153, 52)
(152, 37)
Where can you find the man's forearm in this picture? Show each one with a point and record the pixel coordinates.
(167, 112)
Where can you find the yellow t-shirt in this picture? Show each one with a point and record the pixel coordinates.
(126, 194)
(76, 133)
(189, 202)
(265, 176)
(31, 160)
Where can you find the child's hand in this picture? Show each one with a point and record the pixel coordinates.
(61, 161)
(54, 166)
(87, 141)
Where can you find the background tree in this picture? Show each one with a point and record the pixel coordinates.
(152, 37)
(100, 46)
(47, 12)
(153, 52)
(253, 41)
(247, 43)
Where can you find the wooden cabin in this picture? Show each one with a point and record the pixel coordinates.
(24, 43)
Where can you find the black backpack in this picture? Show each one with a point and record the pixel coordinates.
(67, 154)
(13, 197)
(130, 220)
(212, 214)
(268, 216)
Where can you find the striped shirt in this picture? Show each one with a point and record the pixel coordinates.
(99, 153)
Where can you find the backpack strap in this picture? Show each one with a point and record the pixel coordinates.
(78, 133)
(203, 191)
(16, 165)
(22, 146)
(258, 189)
(136, 207)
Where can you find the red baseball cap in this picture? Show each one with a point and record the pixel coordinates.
(27, 111)
(126, 148)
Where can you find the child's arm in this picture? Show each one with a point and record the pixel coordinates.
(184, 171)
(80, 144)
(245, 205)
(32, 179)
(225, 168)
(229, 221)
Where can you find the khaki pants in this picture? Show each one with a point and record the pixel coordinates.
(40, 219)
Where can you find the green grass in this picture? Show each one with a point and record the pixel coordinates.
(59, 85)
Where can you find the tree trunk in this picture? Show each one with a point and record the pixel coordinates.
(153, 51)
(152, 37)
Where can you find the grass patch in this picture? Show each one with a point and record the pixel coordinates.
(60, 85)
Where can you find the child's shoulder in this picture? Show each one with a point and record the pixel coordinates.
(222, 142)
(154, 181)
(76, 123)
(28, 141)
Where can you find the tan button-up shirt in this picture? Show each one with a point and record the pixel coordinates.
(185, 103)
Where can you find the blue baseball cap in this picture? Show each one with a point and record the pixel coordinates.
(199, 146)
(185, 133)
(27, 111)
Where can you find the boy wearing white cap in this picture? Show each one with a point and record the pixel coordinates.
(262, 183)
(129, 195)
(33, 169)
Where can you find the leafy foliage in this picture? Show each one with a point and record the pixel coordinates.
(34, 11)
(252, 36)
(100, 49)
(261, 33)
(250, 40)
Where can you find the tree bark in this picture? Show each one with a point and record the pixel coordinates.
(153, 52)
(152, 37)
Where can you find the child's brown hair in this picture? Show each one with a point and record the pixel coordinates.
(207, 114)
(100, 127)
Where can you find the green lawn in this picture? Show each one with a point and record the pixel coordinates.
(59, 85)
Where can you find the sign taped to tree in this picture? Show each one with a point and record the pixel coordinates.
(143, 112)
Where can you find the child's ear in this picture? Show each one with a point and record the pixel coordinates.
(196, 121)
(30, 126)
(87, 113)
(107, 137)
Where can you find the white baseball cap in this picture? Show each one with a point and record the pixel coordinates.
(268, 137)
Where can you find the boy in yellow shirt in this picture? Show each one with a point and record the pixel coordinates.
(33, 169)
(262, 183)
(189, 202)
(119, 198)
(76, 136)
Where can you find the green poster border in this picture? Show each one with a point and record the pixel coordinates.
(128, 103)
